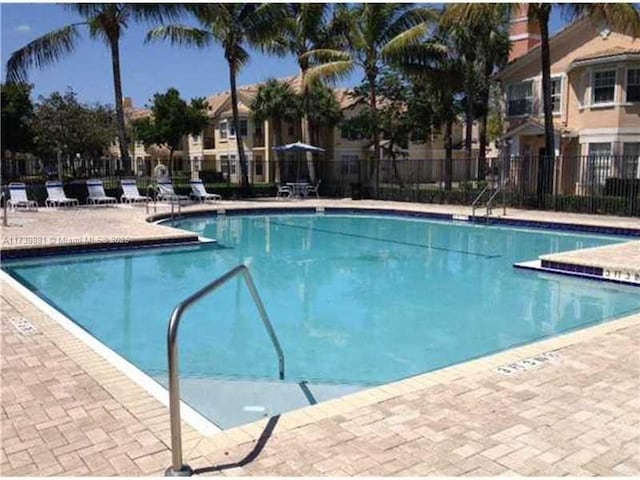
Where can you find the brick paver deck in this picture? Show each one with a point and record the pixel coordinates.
(66, 411)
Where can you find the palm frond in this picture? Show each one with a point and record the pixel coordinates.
(396, 45)
(180, 35)
(623, 17)
(330, 72)
(156, 12)
(41, 52)
(323, 55)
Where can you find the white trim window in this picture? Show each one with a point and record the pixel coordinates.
(599, 162)
(604, 87)
(633, 85)
(223, 129)
(631, 160)
(556, 94)
(520, 99)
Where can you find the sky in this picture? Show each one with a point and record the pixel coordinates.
(146, 68)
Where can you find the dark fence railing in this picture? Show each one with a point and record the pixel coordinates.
(586, 184)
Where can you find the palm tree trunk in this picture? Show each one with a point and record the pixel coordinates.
(170, 162)
(545, 164)
(280, 155)
(468, 137)
(244, 171)
(117, 87)
(482, 133)
(304, 126)
(373, 104)
(448, 154)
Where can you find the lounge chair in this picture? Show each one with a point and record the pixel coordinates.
(56, 196)
(130, 192)
(18, 197)
(166, 192)
(284, 191)
(313, 189)
(199, 193)
(96, 193)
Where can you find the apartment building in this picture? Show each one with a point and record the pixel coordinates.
(215, 152)
(595, 75)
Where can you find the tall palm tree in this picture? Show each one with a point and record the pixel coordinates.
(276, 101)
(437, 70)
(306, 27)
(105, 21)
(235, 26)
(487, 24)
(377, 34)
(624, 17)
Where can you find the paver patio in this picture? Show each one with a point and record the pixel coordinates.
(66, 411)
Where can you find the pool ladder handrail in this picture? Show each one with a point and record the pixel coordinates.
(475, 203)
(177, 468)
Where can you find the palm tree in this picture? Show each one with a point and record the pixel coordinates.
(276, 101)
(437, 70)
(306, 27)
(235, 26)
(488, 36)
(377, 34)
(105, 21)
(625, 17)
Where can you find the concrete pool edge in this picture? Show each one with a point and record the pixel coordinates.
(206, 440)
(133, 373)
(494, 220)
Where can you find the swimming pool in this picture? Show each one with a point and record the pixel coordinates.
(355, 300)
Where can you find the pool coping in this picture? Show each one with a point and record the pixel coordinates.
(212, 439)
(377, 210)
(295, 418)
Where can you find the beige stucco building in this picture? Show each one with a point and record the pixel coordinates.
(215, 150)
(595, 73)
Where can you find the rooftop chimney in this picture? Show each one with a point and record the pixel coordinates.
(524, 35)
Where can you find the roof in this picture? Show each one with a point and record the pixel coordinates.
(534, 53)
(609, 52)
(535, 126)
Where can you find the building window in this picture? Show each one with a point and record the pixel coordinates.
(223, 130)
(350, 164)
(232, 128)
(604, 86)
(196, 139)
(520, 99)
(631, 160)
(556, 94)
(243, 128)
(599, 162)
(633, 85)
(259, 165)
(258, 129)
(232, 164)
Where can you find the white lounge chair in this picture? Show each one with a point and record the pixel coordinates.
(18, 197)
(130, 192)
(166, 192)
(199, 193)
(96, 193)
(56, 196)
(284, 191)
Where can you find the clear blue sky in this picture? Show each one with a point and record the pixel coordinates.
(146, 69)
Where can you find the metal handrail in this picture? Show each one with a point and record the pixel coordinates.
(474, 204)
(490, 201)
(151, 189)
(177, 468)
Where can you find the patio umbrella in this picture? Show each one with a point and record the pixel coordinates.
(298, 147)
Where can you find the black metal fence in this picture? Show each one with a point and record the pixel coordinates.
(586, 184)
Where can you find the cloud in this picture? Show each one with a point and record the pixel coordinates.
(23, 29)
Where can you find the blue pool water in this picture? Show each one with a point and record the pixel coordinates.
(354, 299)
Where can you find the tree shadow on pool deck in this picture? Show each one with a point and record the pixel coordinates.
(251, 456)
